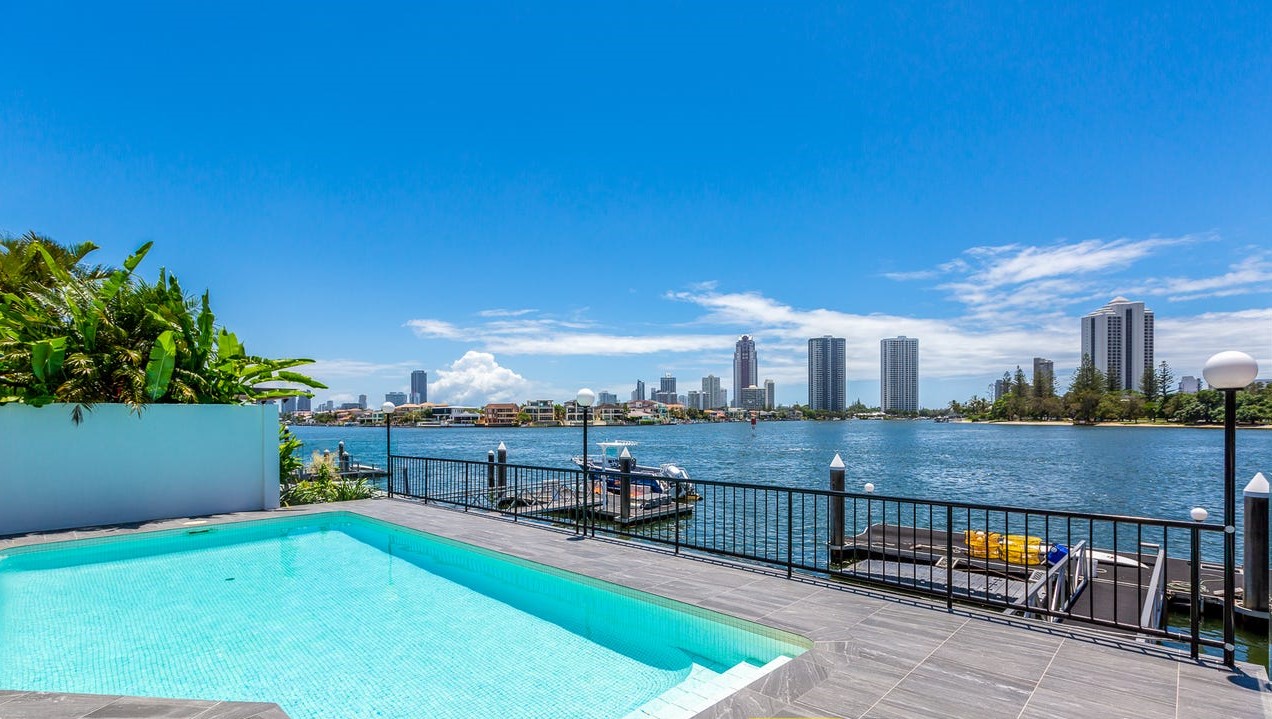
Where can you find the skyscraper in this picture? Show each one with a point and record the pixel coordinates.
(419, 386)
(770, 394)
(826, 374)
(746, 367)
(713, 395)
(638, 394)
(1118, 338)
(899, 374)
(397, 398)
(667, 390)
(362, 401)
(604, 397)
(1044, 376)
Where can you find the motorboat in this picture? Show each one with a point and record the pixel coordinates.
(667, 480)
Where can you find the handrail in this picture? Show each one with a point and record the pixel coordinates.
(815, 491)
(789, 529)
(1150, 615)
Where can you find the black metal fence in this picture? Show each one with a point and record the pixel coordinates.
(1104, 570)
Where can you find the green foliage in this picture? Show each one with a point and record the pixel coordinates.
(1088, 401)
(324, 484)
(289, 463)
(82, 335)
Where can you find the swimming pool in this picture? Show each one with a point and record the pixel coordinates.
(339, 615)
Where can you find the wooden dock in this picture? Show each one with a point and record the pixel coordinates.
(550, 499)
(1117, 592)
(932, 578)
(639, 513)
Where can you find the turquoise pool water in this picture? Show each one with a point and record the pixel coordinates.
(337, 615)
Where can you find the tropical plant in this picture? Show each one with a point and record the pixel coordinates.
(83, 335)
(323, 483)
(289, 445)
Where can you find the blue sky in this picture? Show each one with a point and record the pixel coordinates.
(526, 199)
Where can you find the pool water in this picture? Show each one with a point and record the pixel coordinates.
(338, 615)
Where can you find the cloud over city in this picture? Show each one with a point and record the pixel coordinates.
(1007, 304)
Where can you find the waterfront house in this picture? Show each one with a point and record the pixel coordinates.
(539, 411)
(501, 414)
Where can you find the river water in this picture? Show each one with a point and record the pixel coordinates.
(1159, 472)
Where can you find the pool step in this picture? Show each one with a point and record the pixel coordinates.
(702, 689)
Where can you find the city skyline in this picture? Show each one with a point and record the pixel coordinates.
(1046, 160)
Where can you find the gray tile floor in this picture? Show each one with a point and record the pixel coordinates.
(874, 655)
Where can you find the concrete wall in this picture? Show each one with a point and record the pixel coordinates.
(118, 466)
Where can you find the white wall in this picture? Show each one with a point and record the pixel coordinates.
(117, 466)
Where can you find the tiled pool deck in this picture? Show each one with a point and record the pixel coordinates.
(874, 655)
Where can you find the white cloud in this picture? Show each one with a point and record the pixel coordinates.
(1250, 277)
(1187, 342)
(476, 378)
(435, 329)
(505, 313)
(337, 369)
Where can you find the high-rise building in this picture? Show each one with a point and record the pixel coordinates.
(1118, 338)
(604, 397)
(666, 393)
(746, 367)
(304, 404)
(397, 398)
(362, 401)
(770, 394)
(288, 406)
(1189, 385)
(1044, 374)
(826, 374)
(752, 398)
(1002, 388)
(899, 374)
(716, 397)
(696, 399)
(638, 394)
(419, 387)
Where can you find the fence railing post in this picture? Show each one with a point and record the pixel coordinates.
(388, 478)
(676, 521)
(1194, 595)
(949, 557)
(790, 531)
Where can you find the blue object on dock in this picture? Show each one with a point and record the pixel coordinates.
(1057, 553)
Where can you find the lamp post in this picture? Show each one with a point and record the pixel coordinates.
(388, 408)
(1229, 371)
(585, 399)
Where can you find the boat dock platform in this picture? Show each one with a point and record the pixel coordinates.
(551, 499)
(918, 557)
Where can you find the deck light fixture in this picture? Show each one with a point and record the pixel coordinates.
(1230, 371)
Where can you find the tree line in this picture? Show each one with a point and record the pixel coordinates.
(1094, 396)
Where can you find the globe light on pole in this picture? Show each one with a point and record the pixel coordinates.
(1230, 371)
(1199, 514)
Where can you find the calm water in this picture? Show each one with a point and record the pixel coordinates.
(1153, 472)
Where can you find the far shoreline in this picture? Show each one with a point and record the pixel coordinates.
(1149, 425)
